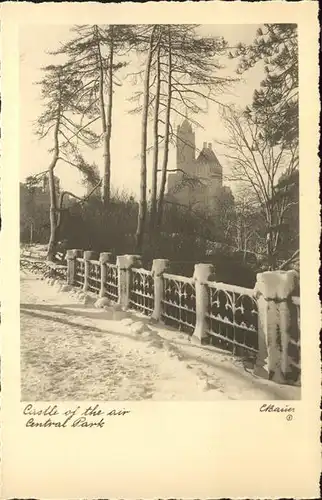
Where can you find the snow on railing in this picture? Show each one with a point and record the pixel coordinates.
(228, 316)
(54, 270)
(79, 272)
(294, 348)
(38, 264)
(179, 302)
(142, 291)
(232, 318)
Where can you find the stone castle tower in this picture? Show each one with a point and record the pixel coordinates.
(186, 145)
(198, 181)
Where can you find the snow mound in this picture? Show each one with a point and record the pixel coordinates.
(174, 352)
(118, 314)
(156, 343)
(88, 300)
(65, 288)
(107, 308)
(126, 322)
(146, 334)
(139, 327)
(118, 307)
(156, 340)
(58, 285)
(102, 303)
(108, 313)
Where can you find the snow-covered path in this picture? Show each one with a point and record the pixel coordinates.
(72, 351)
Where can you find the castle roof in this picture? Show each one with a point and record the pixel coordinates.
(207, 155)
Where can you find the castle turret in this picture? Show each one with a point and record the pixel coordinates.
(186, 146)
(203, 186)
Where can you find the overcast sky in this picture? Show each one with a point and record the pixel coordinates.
(36, 40)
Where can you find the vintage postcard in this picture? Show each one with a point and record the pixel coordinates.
(160, 250)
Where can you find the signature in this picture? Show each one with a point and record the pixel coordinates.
(279, 409)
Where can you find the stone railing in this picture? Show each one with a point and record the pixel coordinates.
(278, 325)
(261, 323)
(294, 346)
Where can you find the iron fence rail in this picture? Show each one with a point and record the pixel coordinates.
(79, 272)
(179, 302)
(142, 291)
(232, 318)
(56, 271)
(94, 276)
(49, 269)
(111, 282)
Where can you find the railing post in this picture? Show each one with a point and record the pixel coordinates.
(202, 274)
(105, 257)
(88, 255)
(71, 260)
(273, 291)
(71, 256)
(288, 287)
(159, 266)
(124, 264)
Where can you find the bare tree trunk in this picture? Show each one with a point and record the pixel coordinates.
(107, 149)
(166, 134)
(53, 240)
(31, 233)
(155, 145)
(142, 202)
(245, 246)
(269, 250)
(106, 152)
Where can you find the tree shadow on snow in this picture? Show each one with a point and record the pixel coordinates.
(79, 310)
(88, 311)
(80, 326)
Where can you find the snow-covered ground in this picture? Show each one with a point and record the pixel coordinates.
(71, 350)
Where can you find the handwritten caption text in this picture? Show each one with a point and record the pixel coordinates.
(76, 416)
